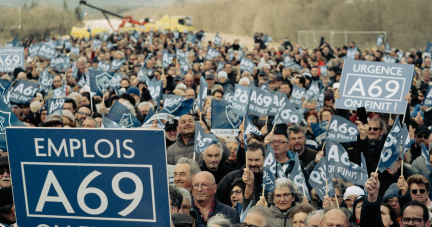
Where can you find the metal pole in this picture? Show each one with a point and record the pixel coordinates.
(19, 16)
(346, 38)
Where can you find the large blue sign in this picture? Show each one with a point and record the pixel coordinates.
(11, 58)
(380, 87)
(91, 177)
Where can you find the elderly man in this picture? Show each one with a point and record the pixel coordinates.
(336, 217)
(232, 159)
(90, 123)
(5, 177)
(170, 132)
(184, 145)
(314, 218)
(189, 81)
(184, 171)
(205, 204)
(260, 216)
(212, 157)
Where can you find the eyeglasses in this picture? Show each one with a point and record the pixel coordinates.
(415, 221)
(82, 113)
(2, 171)
(185, 208)
(203, 186)
(280, 196)
(279, 142)
(238, 192)
(338, 197)
(247, 225)
(414, 191)
(424, 136)
(374, 128)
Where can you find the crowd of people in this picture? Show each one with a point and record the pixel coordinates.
(222, 186)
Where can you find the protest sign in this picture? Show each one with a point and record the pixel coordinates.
(297, 95)
(380, 40)
(181, 55)
(4, 85)
(428, 99)
(265, 87)
(89, 177)
(46, 51)
(103, 66)
(425, 155)
(406, 141)
(116, 64)
(241, 99)
(45, 80)
(97, 43)
(184, 67)
(278, 101)
(288, 114)
(202, 94)
(155, 89)
(260, 102)
(61, 91)
(175, 106)
(23, 92)
(270, 159)
(99, 81)
(150, 118)
(202, 140)
(269, 180)
(318, 178)
(211, 53)
(224, 122)
(228, 96)
(351, 52)
(122, 116)
(380, 87)
(75, 50)
(220, 66)
(298, 178)
(55, 106)
(389, 59)
(319, 130)
(7, 119)
(390, 151)
(342, 130)
(166, 58)
(246, 65)
(250, 129)
(11, 58)
(339, 166)
(323, 70)
(387, 48)
(217, 40)
(33, 50)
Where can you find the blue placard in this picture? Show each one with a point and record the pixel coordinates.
(11, 58)
(46, 51)
(380, 87)
(91, 177)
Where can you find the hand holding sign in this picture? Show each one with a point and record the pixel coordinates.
(372, 186)
(402, 185)
(262, 201)
(362, 130)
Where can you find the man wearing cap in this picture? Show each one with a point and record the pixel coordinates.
(54, 120)
(171, 132)
(210, 79)
(134, 92)
(43, 114)
(95, 63)
(5, 177)
(421, 136)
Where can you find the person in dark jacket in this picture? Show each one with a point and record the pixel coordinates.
(297, 142)
(373, 213)
(391, 197)
(390, 176)
(421, 136)
(356, 214)
(205, 205)
(7, 209)
(256, 156)
(212, 157)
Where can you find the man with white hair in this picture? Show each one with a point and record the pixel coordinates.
(212, 157)
(244, 81)
(260, 216)
(336, 217)
(144, 107)
(314, 218)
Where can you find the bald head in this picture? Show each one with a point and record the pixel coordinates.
(188, 80)
(22, 76)
(335, 217)
(206, 176)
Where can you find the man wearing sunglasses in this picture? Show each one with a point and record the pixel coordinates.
(421, 136)
(5, 177)
(418, 187)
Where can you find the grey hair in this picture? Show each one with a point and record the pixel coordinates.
(319, 212)
(244, 79)
(312, 101)
(96, 122)
(265, 213)
(220, 220)
(343, 209)
(194, 167)
(295, 129)
(340, 185)
(82, 58)
(219, 145)
(232, 141)
(287, 183)
(186, 195)
(426, 70)
(149, 104)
